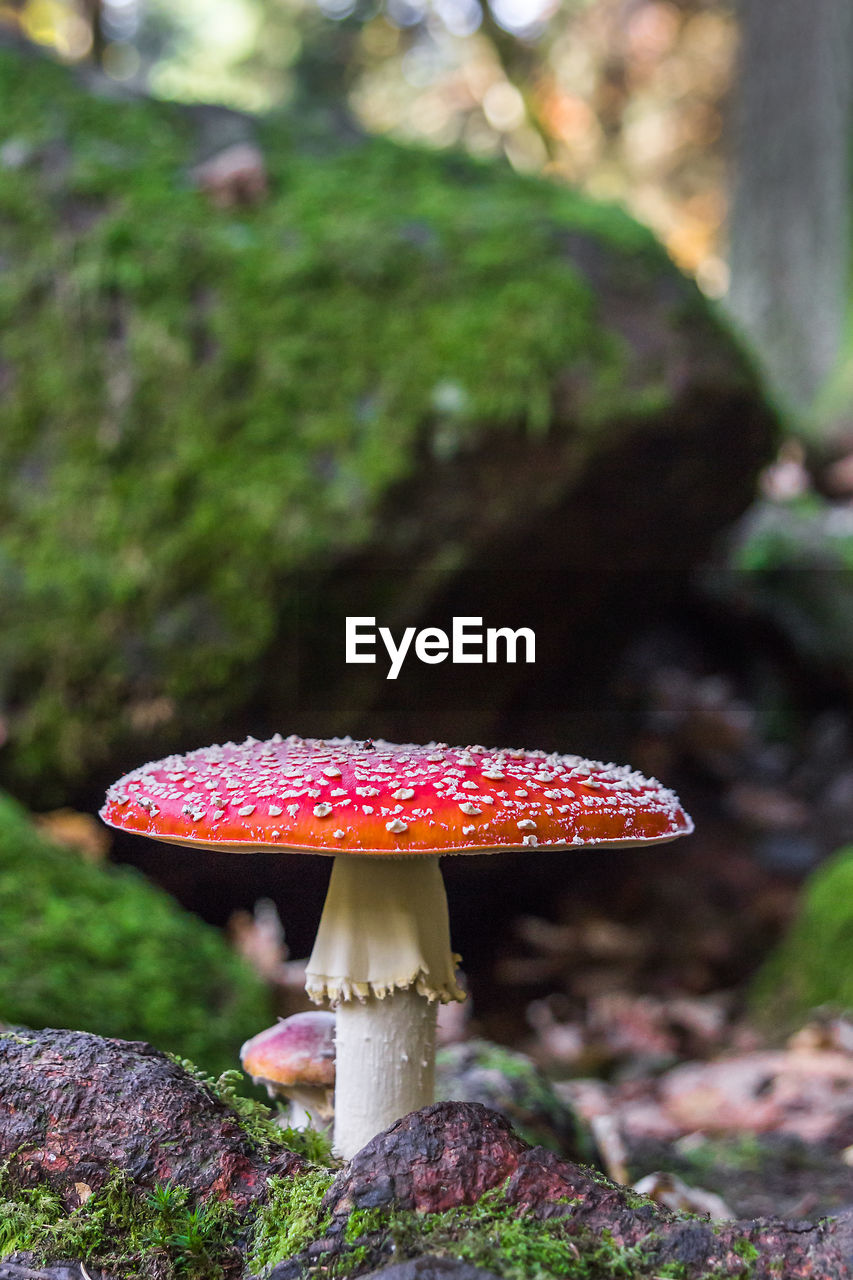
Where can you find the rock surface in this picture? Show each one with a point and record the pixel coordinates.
(76, 1107)
(452, 1153)
(510, 1082)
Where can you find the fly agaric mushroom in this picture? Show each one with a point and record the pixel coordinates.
(295, 1059)
(387, 813)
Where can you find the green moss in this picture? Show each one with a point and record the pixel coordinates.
(156, 1233)
(290, 1220)
(259, 1121)
(495, 1236)
(742, 1153)
(161, 1234)
(198, 403)
(487, 1234)
(165, 1233)
(490, 1234)
(813, 965)
(101, 949)
(790, 562)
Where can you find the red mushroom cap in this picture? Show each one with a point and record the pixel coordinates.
(345, 797)
(297, 1051)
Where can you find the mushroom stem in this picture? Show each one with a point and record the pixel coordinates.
(385, 1063)
(310, 1106)
(383, 958)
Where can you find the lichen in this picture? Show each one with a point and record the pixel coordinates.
(101, 949)
(197, 404)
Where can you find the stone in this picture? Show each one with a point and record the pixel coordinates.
(224, 431)
(76, 1107)
(511, 1083)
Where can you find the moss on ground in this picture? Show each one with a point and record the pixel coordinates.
(260, 1123)
(158, 1234)
(195, 403)
(101, 949)
(491, 1234)
(290, 1221)
(161, 1235)
(813, 965)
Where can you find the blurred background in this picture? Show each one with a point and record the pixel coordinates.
(417, 308)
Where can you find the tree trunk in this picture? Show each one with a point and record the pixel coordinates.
(789, 224)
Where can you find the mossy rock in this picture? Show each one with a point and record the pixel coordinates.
(221, 430)
(511, 1083)
(101, 949)
(813, 966)
(789, 563)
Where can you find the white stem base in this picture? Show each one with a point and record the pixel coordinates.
(385, 1063)
(310, 1107)
(298, 1116)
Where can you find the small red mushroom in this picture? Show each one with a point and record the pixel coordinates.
(387, 813)
(295, 1059)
